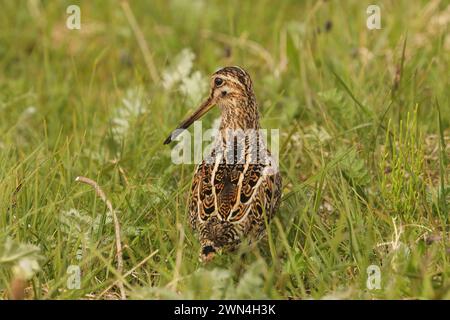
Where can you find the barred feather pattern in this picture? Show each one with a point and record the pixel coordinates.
(231, 201)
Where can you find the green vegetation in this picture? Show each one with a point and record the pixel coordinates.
(364, 147)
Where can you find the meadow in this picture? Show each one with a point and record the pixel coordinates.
(363, 117)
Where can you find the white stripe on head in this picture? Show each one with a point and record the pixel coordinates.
(243, 71)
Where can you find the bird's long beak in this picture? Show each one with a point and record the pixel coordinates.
(204, 108)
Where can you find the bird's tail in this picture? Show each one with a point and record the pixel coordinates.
(208, 251)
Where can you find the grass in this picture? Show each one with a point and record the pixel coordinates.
(364, 132)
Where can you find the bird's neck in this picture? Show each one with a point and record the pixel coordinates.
(239, 128)
(241, 114)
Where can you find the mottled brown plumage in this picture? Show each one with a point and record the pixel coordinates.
(237, 189)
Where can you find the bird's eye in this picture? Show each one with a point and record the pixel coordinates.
(218, 82)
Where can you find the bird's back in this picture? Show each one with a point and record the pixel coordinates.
(230, 202)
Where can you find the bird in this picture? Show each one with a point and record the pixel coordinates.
(236, 189)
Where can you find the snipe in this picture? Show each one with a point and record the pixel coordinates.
(236, 191)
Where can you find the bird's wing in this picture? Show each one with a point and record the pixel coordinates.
(233, 192)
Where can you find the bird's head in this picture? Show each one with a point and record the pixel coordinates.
(231, 89)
